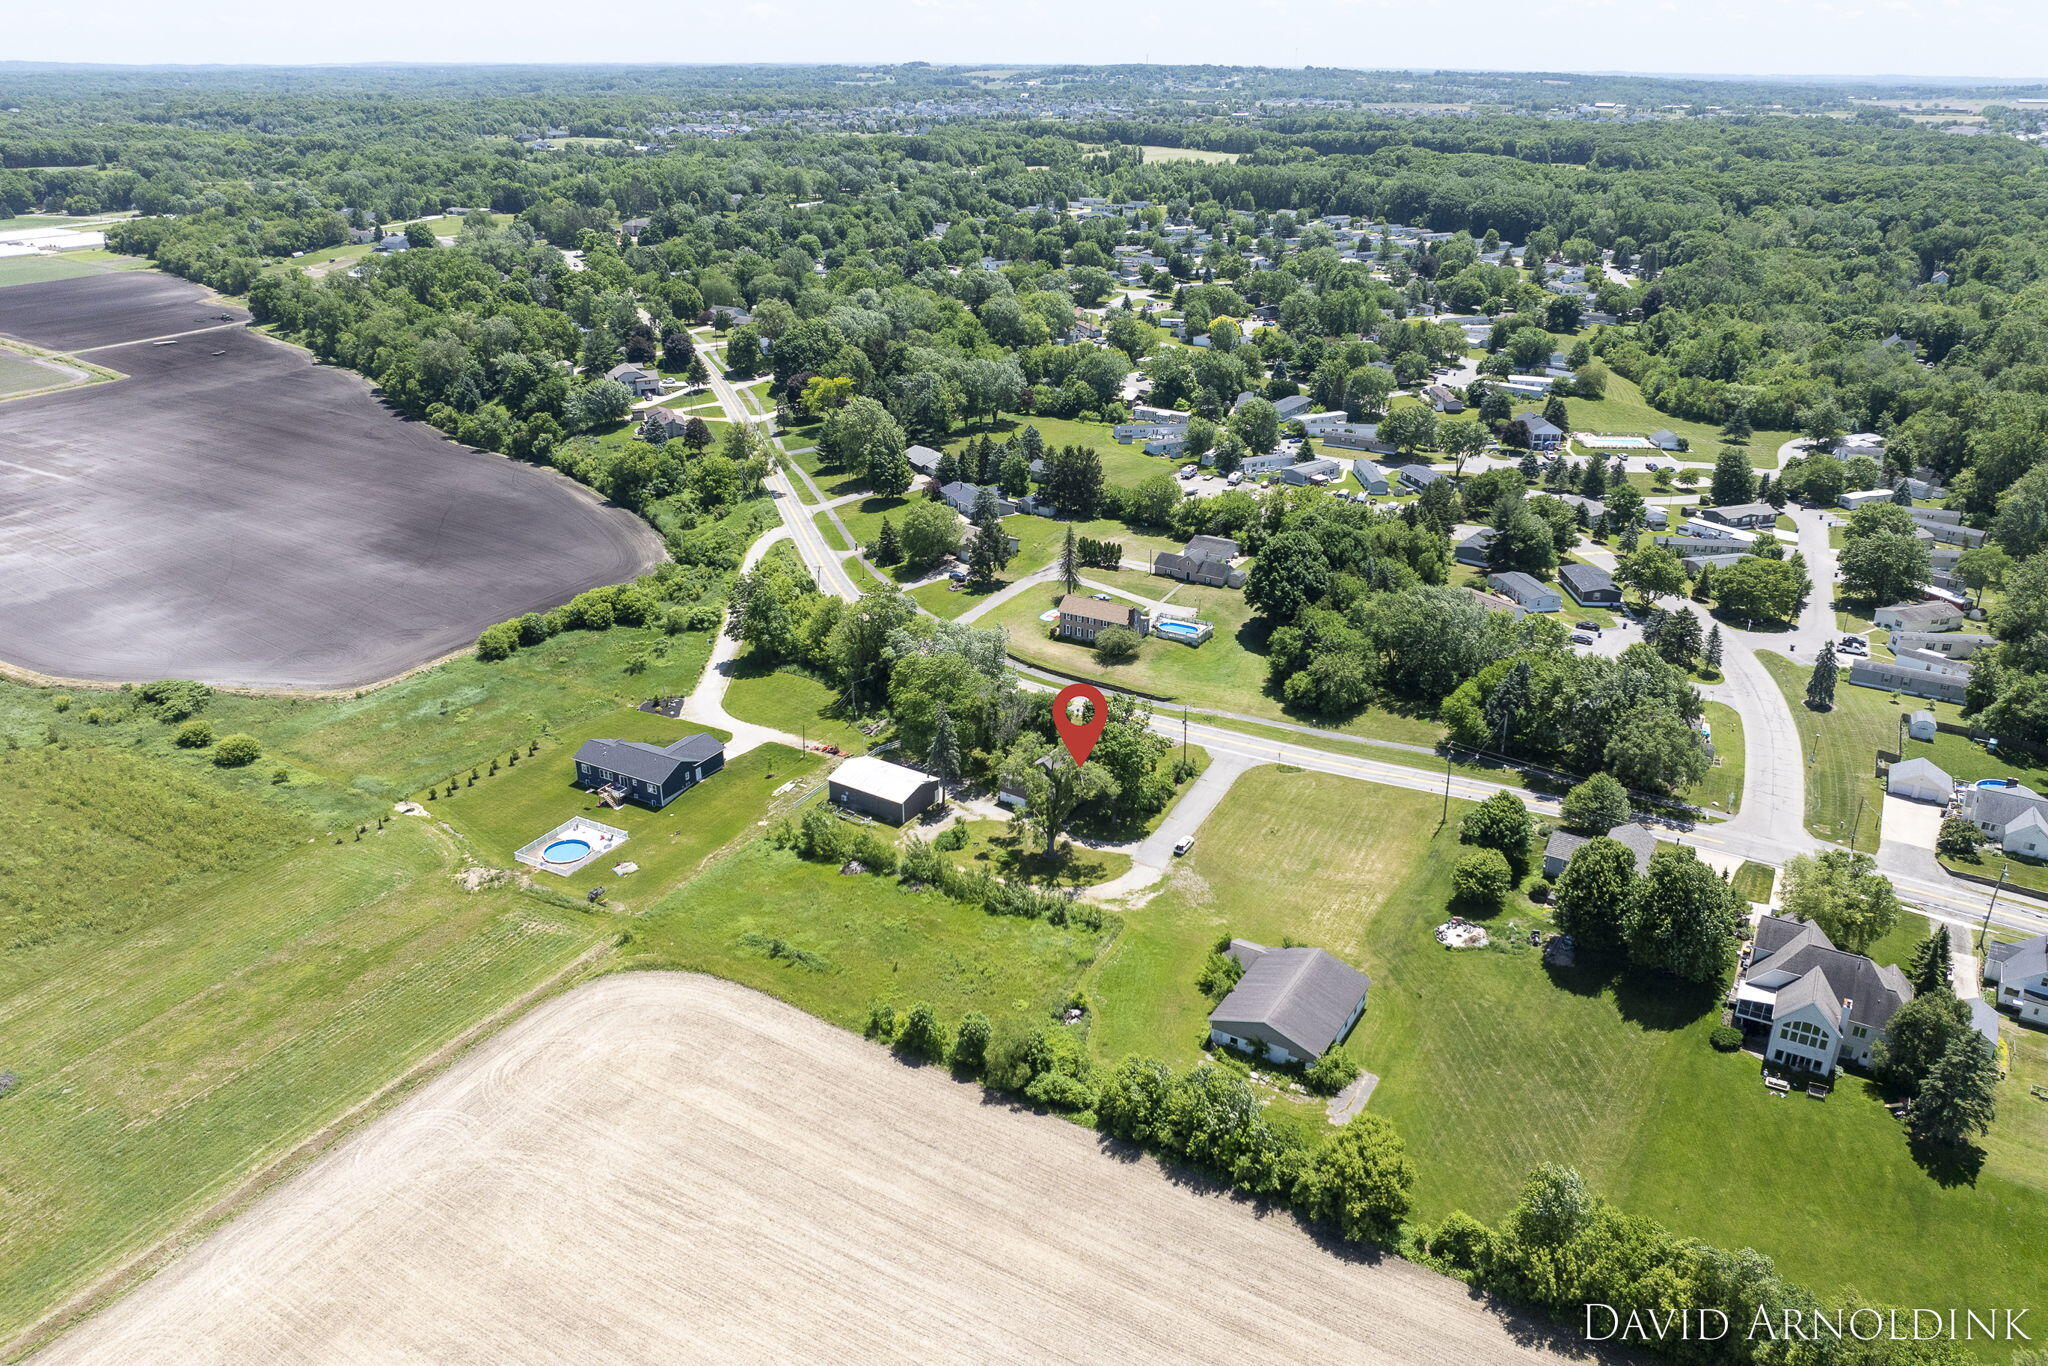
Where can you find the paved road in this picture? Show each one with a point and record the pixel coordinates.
(1769, 829)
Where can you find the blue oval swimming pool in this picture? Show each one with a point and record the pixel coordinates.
(566, 851)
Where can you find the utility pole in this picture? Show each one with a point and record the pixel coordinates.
(1183, 733)
(1984, 934)
(1447, 789)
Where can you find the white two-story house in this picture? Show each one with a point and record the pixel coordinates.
(2018, 973)
(1815, 1006)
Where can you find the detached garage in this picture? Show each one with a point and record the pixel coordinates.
(1919, 780)
(888, 791)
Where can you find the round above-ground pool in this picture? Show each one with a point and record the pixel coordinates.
(566, 851)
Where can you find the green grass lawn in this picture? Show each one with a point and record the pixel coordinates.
(20, 374)
(1754, 881)
(505, 810)
(1624, 412)
(1125, 466)
(871, 938)
(793, 702)
(1840, 750)
(160, 1066)
(1721, 790)
(2019, 873)
(1491, 1064)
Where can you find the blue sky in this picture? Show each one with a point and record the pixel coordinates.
(1826, 37)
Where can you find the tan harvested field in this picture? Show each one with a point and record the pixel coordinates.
(663, 1167)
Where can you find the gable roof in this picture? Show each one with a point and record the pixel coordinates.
(2028, 958)
(647, 763)
(879, 778)
(1908, 613)
(2003, 805)
(1639, 839)
(1092, 609)
(1799, 947)
(1922, 767)
(1212, 548)
(1586, 578)
(923, 459)
(1305, 996)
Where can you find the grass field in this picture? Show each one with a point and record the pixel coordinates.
(21, 374)
(1006, 850)
(1721, 790)
(1755, 881)
(1625, 413)
(1125, 466)
(505, 810)
(1491, 1064)
(871, 940)
(1226, 671)
(792, 702)
(160, 1065)
(34, 270)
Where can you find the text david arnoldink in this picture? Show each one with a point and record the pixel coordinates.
(1605, 1323)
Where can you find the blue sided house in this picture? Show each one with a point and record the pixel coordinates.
(651, 775)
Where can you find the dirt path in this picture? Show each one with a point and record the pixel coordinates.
(667, 1168)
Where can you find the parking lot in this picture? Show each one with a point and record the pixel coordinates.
(234, 513)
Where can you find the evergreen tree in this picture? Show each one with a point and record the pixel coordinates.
(984, 557)
(1505, 703)
(1959, 1097)
(888, 545)
(1820, 688)
(1902, 496)
(1070, 563)
(1678, 640)
(1932, 963)
(1713, 656)
(1556, 414)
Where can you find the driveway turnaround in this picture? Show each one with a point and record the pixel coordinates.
(234, 513)
(660, 1167)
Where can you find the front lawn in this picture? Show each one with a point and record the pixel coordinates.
(1006, 849)
(1624, 412)
(792, 702)
(1491, 1064)
(1124, 466)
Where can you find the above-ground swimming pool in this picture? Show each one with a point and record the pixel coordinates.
(1623, 443)
(1187, 632)
(566, 851)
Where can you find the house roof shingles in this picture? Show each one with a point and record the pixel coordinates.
(1800, 948)
(1303, 995)
(647, 763)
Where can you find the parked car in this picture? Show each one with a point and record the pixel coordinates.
(1236, 478)
(1855, 647)
(1581, 638)
(1187, 842)
(1592, 626)
(1104, 597)
(1187, 471)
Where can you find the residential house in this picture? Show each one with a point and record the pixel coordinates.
(1589, 585)
(1205, 560)
(394, 241)
(1860, 443)
(1955, 645)
(1292, 1005)
(644, 383)
(650, 775)
(1543, 435)
(1919, 780)
(924, 460)
(888, 791)
(1532, 593)
(1562, 844)
(1476, 549)
(1082, 618)
(2018, 976)
(1890, 676)
(1921, 617)
(1748, 516)
(1418, 477)
(1811, 1005)
(962, 498)
(1494, 602)
(663, 424)
(1354, 436)
(1666, 440)
(1265, 464)
(1863, 498)
(1321, 471)
(1441, 398)
(2013, 817)
(1693, 564)
(1222, 548)
(1370, 476)
(1293, 407)
(1720, 531)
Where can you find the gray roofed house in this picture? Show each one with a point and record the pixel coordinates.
(1370, 476)
(652, 775)
(924, 460)
(1418, 477)
(2019, 975)
(1319, 471)
(641, 381)
(1889, 676)
(1526, 589)
(1954, 644)
(1353, 436)
(1213, 548)
(1747, 515)
(1293, 406)
(1476, 548)
(1589, 585)
(1927, 617)
(1544, 435)
(962, 498)
(1817, 1006)
(1291, 1005)
(2004, 813)
(1665, 439)
(1562, 844)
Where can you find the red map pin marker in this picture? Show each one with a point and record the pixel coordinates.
(1079, 736)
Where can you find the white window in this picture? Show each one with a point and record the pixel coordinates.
(1806, 1035)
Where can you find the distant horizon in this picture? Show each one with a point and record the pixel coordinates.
(971, 63)
(1836, 40)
